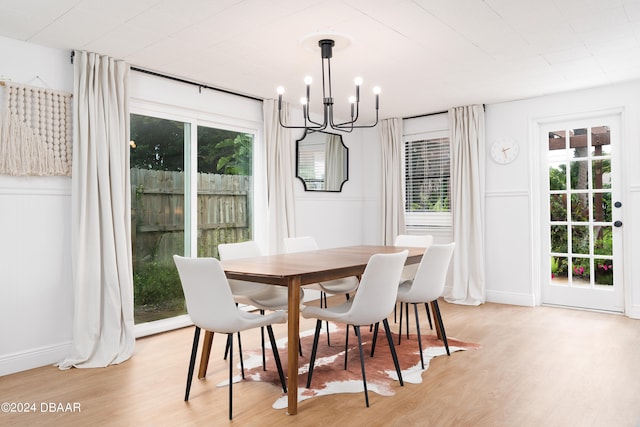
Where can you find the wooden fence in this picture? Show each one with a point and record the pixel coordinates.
(158, 217)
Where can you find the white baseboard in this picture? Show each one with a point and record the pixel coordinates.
(34, 358)
(500, 297)
(634, 312)
(512, 298)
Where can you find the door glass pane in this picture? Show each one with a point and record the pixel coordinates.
(580, 239)
(580, 207)
(559, 270)
(601, 174)
(157, 215)
(557, 176)
(578, 143)
(559, 239)
(558, 207)
(601, 141)
(603, 241)
(225, 188)
(602, 207)
(579, 175)
(557, 141)
(580, 271)
(604, 271)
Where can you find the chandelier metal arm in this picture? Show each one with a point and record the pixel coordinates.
(316, 127)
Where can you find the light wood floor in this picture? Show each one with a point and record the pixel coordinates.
(537, 367)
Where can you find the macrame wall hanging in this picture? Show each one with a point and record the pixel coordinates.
(35, 131)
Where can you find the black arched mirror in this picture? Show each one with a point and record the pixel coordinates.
(322, 161)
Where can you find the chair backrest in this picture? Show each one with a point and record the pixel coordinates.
(432, 273)
(422, 241)
(378, 289)
(300, 244)
(206, 292)
(417, 241)
(239, 250)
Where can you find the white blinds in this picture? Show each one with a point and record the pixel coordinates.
(427, 175)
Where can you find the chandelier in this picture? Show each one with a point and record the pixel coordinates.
(326, 50)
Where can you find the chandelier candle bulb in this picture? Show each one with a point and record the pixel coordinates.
(280, 91)
(358, 84)
(376, 91)
(352, 101)
(307, 81)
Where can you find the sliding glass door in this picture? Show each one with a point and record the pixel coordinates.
(183, 193)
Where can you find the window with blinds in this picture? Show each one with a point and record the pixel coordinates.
(427, 175)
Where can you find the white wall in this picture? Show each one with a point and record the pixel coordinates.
(512, 202)
(338, 218)
(36, 298)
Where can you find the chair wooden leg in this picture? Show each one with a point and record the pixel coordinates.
(415, 308)
(364, 377)
(276, 357)
(394, 355)
(206, 352)
(436, 309)
(314, 348)
(192, 362)
(230, 376)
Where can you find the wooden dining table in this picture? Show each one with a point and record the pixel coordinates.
(294, 270)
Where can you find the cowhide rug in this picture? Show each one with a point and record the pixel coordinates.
(329, 375)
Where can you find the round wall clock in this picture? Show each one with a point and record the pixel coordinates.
(504, 151)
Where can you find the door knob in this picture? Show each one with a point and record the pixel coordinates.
(618, 223)
(617, 204)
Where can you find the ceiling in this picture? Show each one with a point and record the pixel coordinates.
(426, 55)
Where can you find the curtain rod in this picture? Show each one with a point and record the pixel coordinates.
(178, 79)
(424, 115)
(484, 107)
(200, 85)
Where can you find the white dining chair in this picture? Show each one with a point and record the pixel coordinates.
(427, 287)
(344, 285)
(259, 295)
(372, 304)
(212, 308)
(409, 271)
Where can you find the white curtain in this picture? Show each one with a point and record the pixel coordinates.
(334, 163)
(101, 211)
(280, 160)
(392, 187)
(467, 130)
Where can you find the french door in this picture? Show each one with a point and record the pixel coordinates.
(581, 214)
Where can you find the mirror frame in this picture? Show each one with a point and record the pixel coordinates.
(308, 132)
